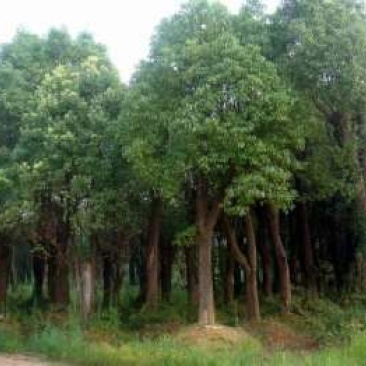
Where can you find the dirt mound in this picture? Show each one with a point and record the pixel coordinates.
(215, 336)
(278, 336)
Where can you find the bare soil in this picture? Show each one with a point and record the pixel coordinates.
(20, 360)
(216, 336)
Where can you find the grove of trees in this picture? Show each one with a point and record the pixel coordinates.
(235, 160)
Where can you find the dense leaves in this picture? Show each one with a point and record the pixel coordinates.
(230, 116)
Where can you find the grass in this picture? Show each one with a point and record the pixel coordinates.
(72, 346)
(131, 337)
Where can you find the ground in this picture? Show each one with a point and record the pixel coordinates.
(278, 336)
(215, 336)
(18, 360)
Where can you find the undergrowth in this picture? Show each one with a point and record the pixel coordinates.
(132, 336)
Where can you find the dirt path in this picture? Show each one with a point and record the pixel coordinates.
(20, 360)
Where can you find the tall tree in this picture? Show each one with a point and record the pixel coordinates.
(60, 145)
(231, 127)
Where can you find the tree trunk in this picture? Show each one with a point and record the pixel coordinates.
(273, 218)
(107, 281)
(307, 249)
(117, 283)
(251, 277)
(58, 263)
(39, 268)
(206, 219)
(87, 288)
(249, 264)
(62, 276)
(152, 253)
(58, 275)
(266, 258)
(191, 274)
(4, 274)
(166, 269)
(51, 274)
(229, 278)
(206, 309)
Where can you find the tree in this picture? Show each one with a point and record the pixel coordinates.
(60, 149)
(319, 46)
(230, 128)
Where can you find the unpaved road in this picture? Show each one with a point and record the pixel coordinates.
(19, 360)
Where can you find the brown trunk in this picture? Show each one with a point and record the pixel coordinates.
(249, 264)
(117, 284)
(307, 249)
(167, 259)
(266, 257)
(121, 258)
(57, 233)
(51, 275)
(58, 269)
(191, 274)
(251, 277)
(273, 218)
(206, 309)
(4, 274)
(39, 267)
(61, 277)
(107, 281)
(152, 253)
(267, 271)
(229, 278)
(206, 219)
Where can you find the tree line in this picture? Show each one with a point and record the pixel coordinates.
(236, 156)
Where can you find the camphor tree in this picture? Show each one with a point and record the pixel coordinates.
(230, 131)
(59, 150)
(319, 47)
(145, 132)
(18, 78)
(25, 63)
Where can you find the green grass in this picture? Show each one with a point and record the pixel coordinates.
(70, 345)
(138, 337)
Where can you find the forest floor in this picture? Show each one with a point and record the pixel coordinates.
(317, 333)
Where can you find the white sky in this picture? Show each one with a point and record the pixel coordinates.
(124, 26)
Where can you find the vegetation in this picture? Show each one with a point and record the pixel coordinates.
(227, 177)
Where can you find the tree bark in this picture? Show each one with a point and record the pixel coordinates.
(166, 269)
(205, 280)
(58, 267)
(117, 283)
(206, 219)
(251, 286)
(51, 274)
(39, 270)
(107, 281)
(152, 253)
(248, 263)
(266, 257)
(4, 274)
(273, 218)
(61, 276)
(229, 278)
(55, 231)
(87, 289)
(191, 274)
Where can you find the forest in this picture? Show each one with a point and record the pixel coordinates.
(225, 182)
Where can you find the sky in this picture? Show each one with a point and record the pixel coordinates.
(124, 26)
